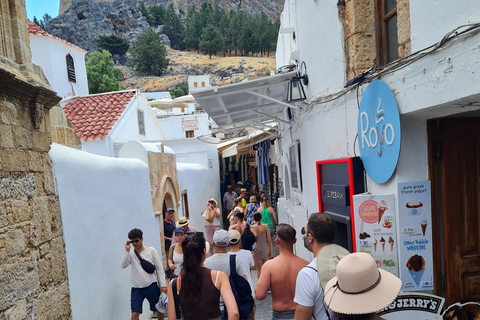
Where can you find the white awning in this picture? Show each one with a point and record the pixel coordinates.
(253, 103)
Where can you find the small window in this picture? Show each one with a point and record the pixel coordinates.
(388, 32)
(70, 69)
(186, 213)
(190, 134)
(141, 122)
(195, 84)
(203, 84)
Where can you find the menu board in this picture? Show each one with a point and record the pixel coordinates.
(375, 229)
(415, 227)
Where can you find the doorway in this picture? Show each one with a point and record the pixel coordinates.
(454, 163)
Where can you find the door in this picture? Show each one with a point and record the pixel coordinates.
(456, 185)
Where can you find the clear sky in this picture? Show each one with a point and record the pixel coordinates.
(39, 7)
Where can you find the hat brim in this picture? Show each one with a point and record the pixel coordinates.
(182, 224)
(371, 301)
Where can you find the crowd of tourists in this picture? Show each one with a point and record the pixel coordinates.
(211, 278)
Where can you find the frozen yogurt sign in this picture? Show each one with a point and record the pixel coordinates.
(379, 131)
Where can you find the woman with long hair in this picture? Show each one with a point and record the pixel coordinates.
(198, 288)
(268, 216)
(175, 254)
(360, 289)
(264, 243)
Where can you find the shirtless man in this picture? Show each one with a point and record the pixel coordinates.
(280, 274)
(239, 223)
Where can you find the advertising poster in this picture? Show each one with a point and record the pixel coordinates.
(415, 238)
(422, 306)
(375, 229)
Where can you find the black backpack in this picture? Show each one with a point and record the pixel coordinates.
(241, 290)
(248, 239)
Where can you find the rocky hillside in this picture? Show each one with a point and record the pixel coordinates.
(223, 70)
(86, 20)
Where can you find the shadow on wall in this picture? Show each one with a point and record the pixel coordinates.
(101, 199)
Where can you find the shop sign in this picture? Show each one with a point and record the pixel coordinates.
(379, 131)
(189, 125)
(415, 226)
(414, 306)
(375, 229)
(335, 194)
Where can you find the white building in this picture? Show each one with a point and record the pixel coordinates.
(104, 122)
(436, 91)
(198, 82)
(62, 62)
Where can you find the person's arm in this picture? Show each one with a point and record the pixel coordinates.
(217, 212)
(203, 210)
(230, 214)
(302, 312)
(160, 272)
(171, 305)
(126, 256)
(263, 283)
(227, 296)
(170, 257)
(273, 216)
(269, 241)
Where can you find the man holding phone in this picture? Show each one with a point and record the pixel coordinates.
(144, 284)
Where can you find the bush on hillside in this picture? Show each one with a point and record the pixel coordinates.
(101, 75)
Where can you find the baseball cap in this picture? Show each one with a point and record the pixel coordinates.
(221, 238)
(234, 236)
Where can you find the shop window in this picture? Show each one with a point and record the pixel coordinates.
(70, 69)
(189, 134)
(387, 31)
(141, 122)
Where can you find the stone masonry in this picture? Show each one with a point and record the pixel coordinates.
(33, 269)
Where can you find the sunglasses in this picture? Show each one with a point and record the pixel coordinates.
(134, 241)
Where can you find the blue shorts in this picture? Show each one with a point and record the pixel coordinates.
(152, 293)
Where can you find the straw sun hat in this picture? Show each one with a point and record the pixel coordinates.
(360, 287)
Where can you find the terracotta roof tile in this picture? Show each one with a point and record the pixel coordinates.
(93, 117)
(35, 30)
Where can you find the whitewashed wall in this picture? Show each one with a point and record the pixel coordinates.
(101, 200)
(50, 54)
(172, 126)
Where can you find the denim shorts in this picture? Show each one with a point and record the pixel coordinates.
(283, 315)
(152, 293)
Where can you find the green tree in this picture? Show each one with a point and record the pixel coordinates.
(211, 41)
(149, 54)
(174, 28)
(101, 75)
(42, 22)
(113, 44)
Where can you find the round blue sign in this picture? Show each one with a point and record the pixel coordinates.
(379, 131)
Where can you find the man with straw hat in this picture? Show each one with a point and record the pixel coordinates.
(318, 237)
(189, 231)
(360, 288)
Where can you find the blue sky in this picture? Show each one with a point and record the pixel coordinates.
(39, 7)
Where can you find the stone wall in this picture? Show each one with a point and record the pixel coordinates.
(164, 180)
(360, 34)
(33, 269)
(62, 131)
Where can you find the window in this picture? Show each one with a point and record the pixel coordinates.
(195, 84)
(388, 37)
(186, 213)
(70, 69)
(203, 84)
(190, 134)
(141, 122)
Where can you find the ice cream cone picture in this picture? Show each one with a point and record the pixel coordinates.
(382, 242)
(382, 206)
(416, 267)
(424, 224)
(391, 242)
(375, 241)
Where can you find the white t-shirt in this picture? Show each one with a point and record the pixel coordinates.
(309, 292)
(221, 262)
(139, 278)
(246, 258)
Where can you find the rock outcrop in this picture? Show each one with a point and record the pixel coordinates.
(86, 20)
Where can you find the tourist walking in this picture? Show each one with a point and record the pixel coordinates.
(279, 275)
(198, 288)
(175, 254)
(143, 284)
(252, 207)
(212, 220)
(360, 289)
(228, 199)
(237, 207)
(168, 228)
(264, 243)
(268, 216)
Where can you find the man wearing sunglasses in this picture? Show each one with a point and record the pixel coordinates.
(144, 285)
(318, 237)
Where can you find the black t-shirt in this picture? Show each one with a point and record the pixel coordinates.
(168, 229)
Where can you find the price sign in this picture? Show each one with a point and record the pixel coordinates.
(408, 230)
(365, 243)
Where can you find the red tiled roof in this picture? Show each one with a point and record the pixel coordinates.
(35, 30)
(92, 117)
